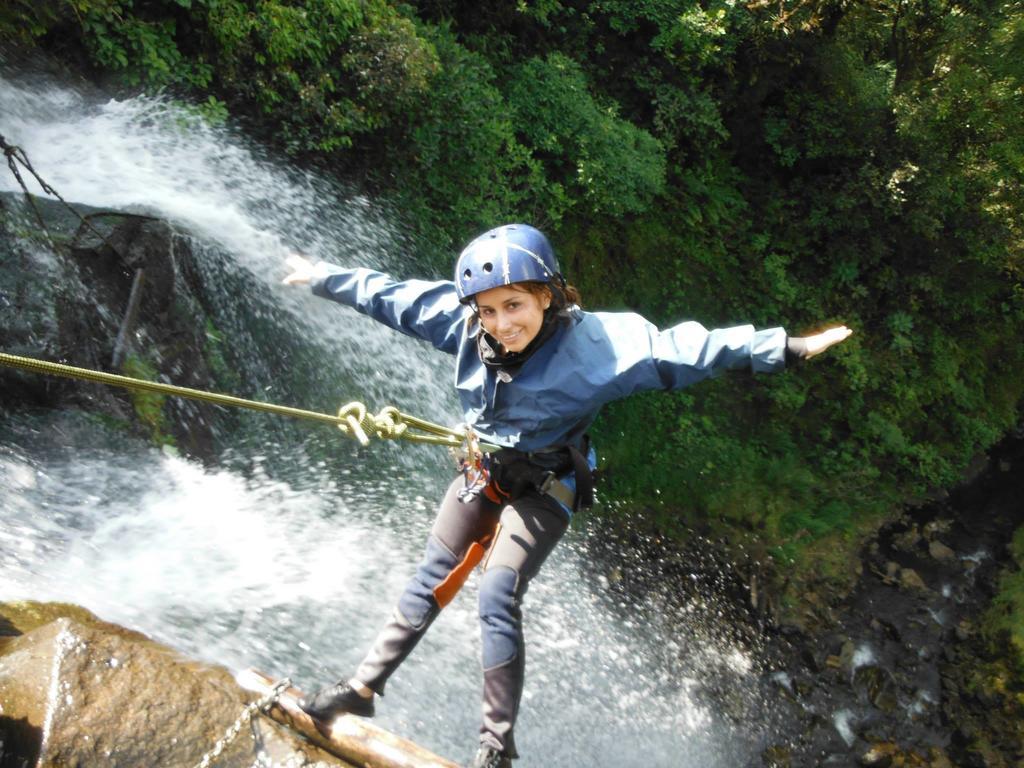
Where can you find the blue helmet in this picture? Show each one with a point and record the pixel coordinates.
(504, 255)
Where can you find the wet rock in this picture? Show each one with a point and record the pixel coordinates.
(911, 580)
(941, 552)
(783, 682)
(936, 527)
(892, 572)
(67, 301)
(964, 629)
(107, 696)
(892, 755)
(878, 756)
(878, 686)
(886, 628)
(810, 659)
(803, 685)
(846, 655)
(908, 540)
(938, 680)
(776, 757)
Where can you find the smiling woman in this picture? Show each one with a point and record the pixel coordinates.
(532, 371)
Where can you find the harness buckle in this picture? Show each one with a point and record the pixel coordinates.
(549, 479)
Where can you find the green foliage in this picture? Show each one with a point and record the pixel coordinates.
(322, 73)
(214, 354)
(614, 167)
(1004, 619)
(463, 149)
(144, 48)
(149, 406)
(25, 20)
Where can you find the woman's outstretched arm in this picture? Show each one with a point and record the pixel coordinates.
(640, 357)
(428, 310)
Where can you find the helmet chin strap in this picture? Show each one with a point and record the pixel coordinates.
(488, 346)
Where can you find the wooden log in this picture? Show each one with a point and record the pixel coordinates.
(351, 738)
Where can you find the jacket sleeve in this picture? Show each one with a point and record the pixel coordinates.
(428, 310)
(646, 358)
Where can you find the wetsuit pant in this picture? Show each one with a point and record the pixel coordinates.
(530, 528)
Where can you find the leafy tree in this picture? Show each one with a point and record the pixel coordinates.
(614, 167)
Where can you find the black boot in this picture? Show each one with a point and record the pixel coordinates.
(328, 703)
(488, 757)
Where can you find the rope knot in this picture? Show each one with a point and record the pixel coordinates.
(390, 425)
(354, 415)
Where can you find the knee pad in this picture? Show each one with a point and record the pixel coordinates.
(417, 602)
(500, 618)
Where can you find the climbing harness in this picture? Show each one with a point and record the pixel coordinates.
(513, 472)
(260, 705)
(353, 419)
(506, 474)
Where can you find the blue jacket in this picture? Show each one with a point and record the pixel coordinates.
(552, 399)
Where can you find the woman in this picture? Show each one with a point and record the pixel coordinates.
(532, 371)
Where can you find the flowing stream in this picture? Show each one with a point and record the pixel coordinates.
(289, 564)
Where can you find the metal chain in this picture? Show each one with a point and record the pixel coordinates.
(11, 154)
(15, 153)
(261, 705)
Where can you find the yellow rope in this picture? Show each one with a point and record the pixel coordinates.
(353, 419)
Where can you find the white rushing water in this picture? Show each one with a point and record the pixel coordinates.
(295, 576)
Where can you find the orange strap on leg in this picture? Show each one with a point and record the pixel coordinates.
(494, 492)
(447, 589)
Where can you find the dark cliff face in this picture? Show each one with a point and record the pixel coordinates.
(65, 297)
(909, 674)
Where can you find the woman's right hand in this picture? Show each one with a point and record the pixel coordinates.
(819, 342)
(302, 270)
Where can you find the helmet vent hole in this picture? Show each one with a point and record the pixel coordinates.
(468, 274)
(488, 267)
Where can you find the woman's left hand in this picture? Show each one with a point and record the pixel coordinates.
(819, 342)
(302, 270)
